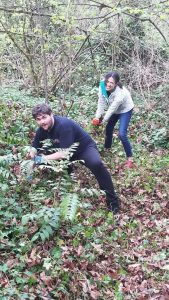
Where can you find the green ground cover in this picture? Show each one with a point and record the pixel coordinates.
(58, 241)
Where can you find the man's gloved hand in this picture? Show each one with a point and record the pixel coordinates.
(96, 122)
(38, 159)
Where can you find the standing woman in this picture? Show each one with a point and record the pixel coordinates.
(117, 100)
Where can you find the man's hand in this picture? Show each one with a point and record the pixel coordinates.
(56, 155)
(39, 159)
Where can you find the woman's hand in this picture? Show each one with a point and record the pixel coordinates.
(96, 122)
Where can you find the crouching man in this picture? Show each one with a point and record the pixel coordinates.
(63, 133)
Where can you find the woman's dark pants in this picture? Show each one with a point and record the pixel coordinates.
(124, 119)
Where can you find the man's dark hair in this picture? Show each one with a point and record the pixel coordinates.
(41, 109)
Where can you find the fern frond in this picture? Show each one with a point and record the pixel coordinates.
(38, 195)
(47, 219)
(69, 206)
(27, 167)
(91, 192)
(7, 160)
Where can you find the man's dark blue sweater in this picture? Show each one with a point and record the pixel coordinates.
(63, 134)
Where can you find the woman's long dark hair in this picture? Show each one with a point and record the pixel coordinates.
(115, 76)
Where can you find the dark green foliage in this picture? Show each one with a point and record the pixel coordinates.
(57, 238)
(155, 131)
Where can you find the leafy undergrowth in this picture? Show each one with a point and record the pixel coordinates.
(58, 241)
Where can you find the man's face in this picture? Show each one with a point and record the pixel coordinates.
(110, 84)
(45, 121)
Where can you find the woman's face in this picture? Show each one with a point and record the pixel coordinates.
(110, 84)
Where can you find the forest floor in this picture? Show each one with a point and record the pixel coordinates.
(98, 255)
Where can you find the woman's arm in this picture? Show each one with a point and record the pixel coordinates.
(101, 105)
(117, 101)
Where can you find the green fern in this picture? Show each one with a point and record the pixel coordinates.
(27, 168)
(69, 206)
(91, 192)
(37, 196)
(7, 178)
(47, 219)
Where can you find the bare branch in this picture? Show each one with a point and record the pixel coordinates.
(147, 20)
(18, 34)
